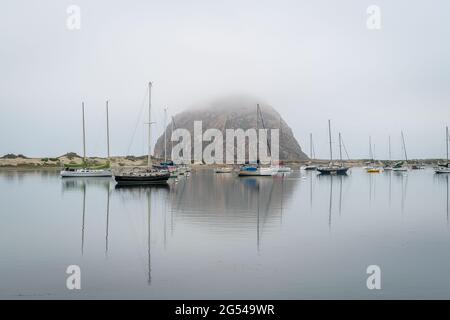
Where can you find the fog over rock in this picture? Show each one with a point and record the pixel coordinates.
(233, 112)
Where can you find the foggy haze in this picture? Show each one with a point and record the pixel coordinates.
(311, 60)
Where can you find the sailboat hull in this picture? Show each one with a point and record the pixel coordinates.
(245, 172)
(332, 170)
(442, 170)
(140, 180)
(85, 173)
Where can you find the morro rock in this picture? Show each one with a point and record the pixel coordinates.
(234, 113)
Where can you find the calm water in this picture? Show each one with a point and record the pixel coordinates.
(220, 236)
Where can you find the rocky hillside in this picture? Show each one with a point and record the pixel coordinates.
(234, 113)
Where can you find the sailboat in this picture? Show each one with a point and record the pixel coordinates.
(85, 171)
(310, 166)
(372, 168)
(167, 165)
(444, 168)
(333, 169)
(150, 175)
(256, 169)
(399, 166)
(388, 167)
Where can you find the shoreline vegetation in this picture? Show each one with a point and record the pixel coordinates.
(20, 161)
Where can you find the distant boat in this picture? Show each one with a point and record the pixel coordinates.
(444, 168)
(310, 166)
(83, 171)
(333, 169)
(168, 166)
(388, 167)
(282, 169)
(223, 170)
(372, 168)
(175, 170)
(400, 166)
(257, 169)
(150, 175)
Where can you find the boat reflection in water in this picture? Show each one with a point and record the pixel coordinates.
(331, 181)
(266, 236)
(130, 192)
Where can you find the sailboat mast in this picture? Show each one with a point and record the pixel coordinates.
(264, 127)
(107, 127)
(404, 146)
(257, 136)
(149, 125)
(171, 141)
(390, 157)
(165, 135)
(370, 148)
(329, 136)
(310, 146)
(84, 134)
(340, 148)
(446, 140)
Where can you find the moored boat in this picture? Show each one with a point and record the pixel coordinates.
(282, 169)
(374, 170)
(445, 167)
(150, 175)
(142, 178)
(85, 173)
(310, 165)
(256, 169)
(223, 170)
(83, 170)
(333, 169)
(253, 170)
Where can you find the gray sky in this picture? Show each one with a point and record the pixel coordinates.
(311, 60)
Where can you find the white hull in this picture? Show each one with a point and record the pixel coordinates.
(258, 172)
(85, 173)
(282, 169)
(400, 169)
(223, 170)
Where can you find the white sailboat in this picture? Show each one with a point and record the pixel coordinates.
(85, 171)
(444, 168)
(223, 170)
(257, 169)
(310, 166)
(372, 168)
